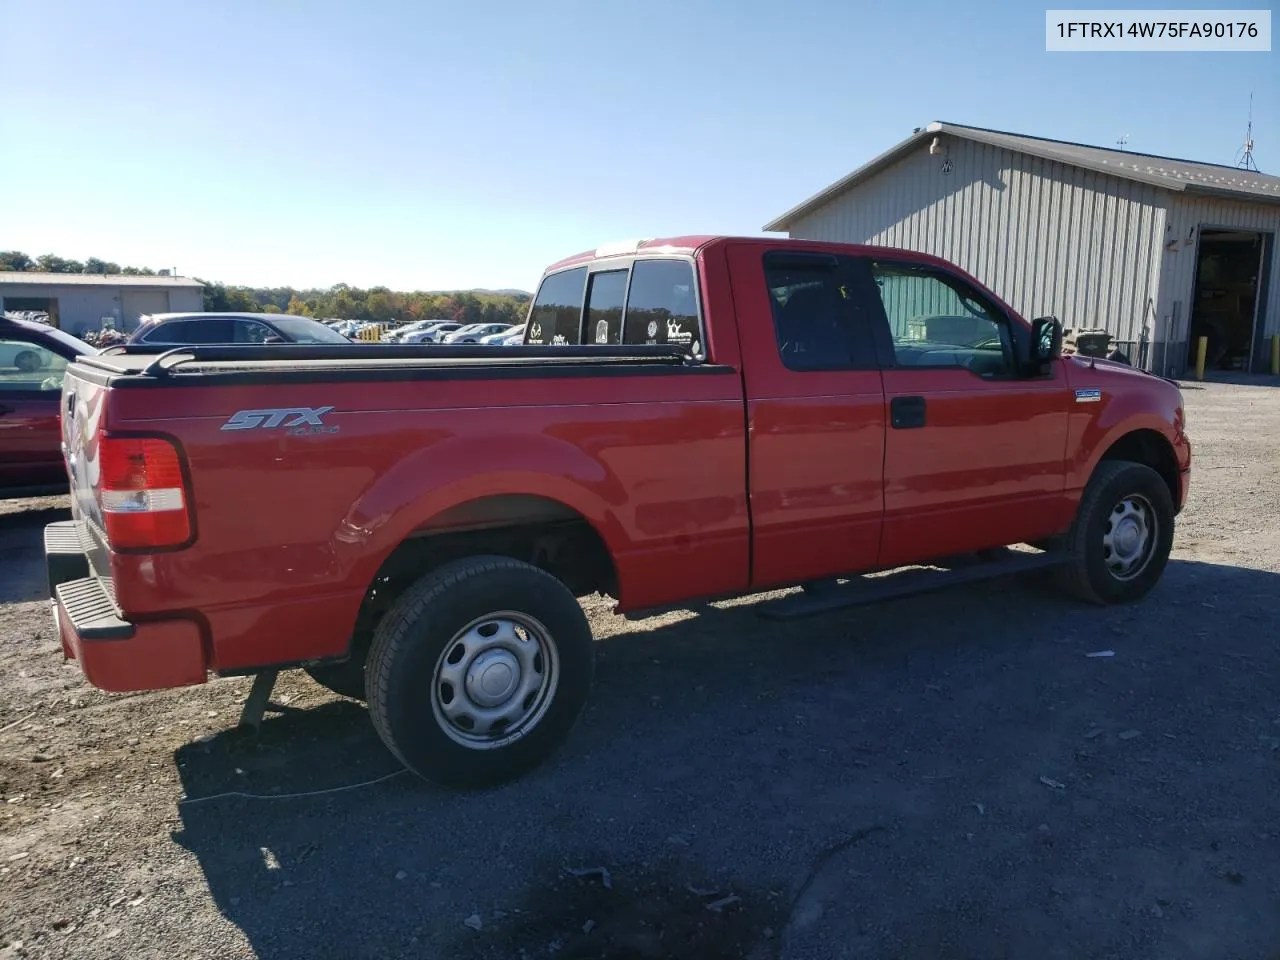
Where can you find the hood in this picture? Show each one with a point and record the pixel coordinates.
(1111, 368)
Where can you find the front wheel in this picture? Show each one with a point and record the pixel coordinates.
(479, 671)
(1120, 542)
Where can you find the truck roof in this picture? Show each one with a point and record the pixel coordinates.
(690, 244)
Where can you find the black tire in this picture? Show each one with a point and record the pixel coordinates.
(447, 611)
(1089, 575)
(346, 679)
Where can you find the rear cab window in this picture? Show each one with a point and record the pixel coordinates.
(631, 301)
(556, 316)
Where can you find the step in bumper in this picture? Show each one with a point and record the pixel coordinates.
(115, 654)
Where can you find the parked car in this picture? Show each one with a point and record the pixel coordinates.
(182, 329)
(499, 337)
(345, 327)
(472, 333)
(432, 334)
(33, 358)
(689, 418)
(395, 333)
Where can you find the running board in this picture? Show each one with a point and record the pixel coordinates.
(862, 591)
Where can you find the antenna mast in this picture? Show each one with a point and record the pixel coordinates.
(1244, 156)
(1124, 139)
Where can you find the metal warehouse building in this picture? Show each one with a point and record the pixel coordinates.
(78, 303)
(1159, 252)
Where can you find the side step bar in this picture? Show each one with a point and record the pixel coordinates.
(863, 591)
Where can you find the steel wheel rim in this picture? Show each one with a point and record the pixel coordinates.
(1129, 537)
(494, 680)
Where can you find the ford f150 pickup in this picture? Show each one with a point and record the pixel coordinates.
(688, 419)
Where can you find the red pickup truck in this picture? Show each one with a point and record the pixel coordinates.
(689, 418)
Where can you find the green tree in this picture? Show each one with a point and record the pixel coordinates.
(50, 263)
(15, 260)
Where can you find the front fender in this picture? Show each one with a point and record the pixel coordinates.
(1130, 401)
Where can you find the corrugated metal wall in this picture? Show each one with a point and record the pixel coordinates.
(81, 307)
(1178, 274)
(1046, 237)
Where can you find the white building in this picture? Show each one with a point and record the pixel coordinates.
(1156, 251)
(78, 303)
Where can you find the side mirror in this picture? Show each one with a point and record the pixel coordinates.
(1046, 339)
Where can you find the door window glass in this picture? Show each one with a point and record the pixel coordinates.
(937, 320)
(251, 331)
(26, 367)
(818, 324)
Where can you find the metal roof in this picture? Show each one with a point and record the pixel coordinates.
(36, 278)
(1179, 176)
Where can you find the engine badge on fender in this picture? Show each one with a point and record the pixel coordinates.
(1088, 395)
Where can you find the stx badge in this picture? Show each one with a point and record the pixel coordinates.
(296, 421)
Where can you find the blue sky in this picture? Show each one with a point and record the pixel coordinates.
(440, 145)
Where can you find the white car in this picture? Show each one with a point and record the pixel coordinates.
(396, 334)
(501, 337)
(473, 332)
(431, 334)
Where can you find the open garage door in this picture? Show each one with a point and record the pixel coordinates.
(137, 303)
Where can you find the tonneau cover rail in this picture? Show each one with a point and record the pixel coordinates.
(170, 359)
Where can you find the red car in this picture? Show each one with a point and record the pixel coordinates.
(690, 418)
(33, 357)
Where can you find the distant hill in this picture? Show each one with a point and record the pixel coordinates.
(505, 292)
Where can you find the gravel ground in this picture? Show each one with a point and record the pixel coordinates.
(946, 776)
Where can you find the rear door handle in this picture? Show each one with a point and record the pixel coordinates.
(906, 413)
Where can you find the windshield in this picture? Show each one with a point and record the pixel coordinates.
(306, 330)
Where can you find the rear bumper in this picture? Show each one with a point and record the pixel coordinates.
(114, 654)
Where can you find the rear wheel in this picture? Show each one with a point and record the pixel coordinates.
(479, 671)
(1120, 542)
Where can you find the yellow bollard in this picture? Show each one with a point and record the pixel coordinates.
(1275, 355)
(1202, 350)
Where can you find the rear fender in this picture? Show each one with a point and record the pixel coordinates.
(433, 480)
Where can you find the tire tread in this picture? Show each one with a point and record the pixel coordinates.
(1073, 577)
(391, 633)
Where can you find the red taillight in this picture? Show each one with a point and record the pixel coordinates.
(141, 493)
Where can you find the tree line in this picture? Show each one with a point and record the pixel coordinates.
(375, 304)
